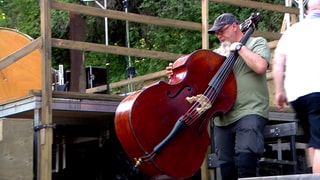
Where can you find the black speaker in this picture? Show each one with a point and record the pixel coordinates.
(95, 76)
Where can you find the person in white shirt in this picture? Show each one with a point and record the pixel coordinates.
(296, 76)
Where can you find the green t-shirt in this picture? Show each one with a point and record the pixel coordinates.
(252, 91)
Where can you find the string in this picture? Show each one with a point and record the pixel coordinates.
(213, 89)
(216, 83)
(210, 94)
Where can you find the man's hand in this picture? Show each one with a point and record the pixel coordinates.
(281, 100)
(234, 45)
(169, 71)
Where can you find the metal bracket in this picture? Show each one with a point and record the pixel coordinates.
(43, 126)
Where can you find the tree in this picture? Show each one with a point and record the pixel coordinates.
(24, 16)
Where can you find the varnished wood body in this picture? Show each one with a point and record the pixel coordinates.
(146, 117)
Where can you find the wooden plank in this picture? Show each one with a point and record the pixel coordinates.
(16, 149)
(273, 44)
(80, 96)
(85, 46)
(260, 5)
(155, 20)
(267, 35)
(287, 177)
(126, 16)
(288, 116)
(156, 75)
(281, 130)
(15, 56)
(285, 146)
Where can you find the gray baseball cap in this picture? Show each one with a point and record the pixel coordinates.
(221, 21)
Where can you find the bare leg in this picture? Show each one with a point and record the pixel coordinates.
(316, 161)
(309, 156)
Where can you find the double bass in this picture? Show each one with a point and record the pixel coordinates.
(163, 127)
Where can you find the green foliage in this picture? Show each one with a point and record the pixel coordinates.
(173, 39)
(271, 21)
(25, 16)
(60, 24)
(2, 14)
(21, 15)
(166, 39)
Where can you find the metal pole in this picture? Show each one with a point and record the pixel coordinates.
(126, 4)
(130, 69)
(105, 6)
(301, 9)
(107, 43)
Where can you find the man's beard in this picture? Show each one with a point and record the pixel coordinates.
(224, 48)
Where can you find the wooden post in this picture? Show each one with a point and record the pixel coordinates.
(205, 45)
(205, 24)
(46, 104)
(78, 33)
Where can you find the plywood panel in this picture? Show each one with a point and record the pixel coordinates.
(16, 149)
(20, 77)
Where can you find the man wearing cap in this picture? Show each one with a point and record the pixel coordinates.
(239, 133)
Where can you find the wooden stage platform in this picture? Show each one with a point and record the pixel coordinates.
(67, 107)
(81, 123)
(287, 177)
(83, 127)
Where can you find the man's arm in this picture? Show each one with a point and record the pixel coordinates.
(278, 72)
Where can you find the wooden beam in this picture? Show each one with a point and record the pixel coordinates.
(205, 45)
(46, 134)
(267, 35)
(18, 54)
(85, 46)
(155, 20)
(260, 5)
(148, 77)
(273, 44)
(126, 16)
(170, 22)
(79, 96)
(205, 23)
(155, 75)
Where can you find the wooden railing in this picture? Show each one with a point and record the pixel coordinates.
(45, 43)
(85, 46)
